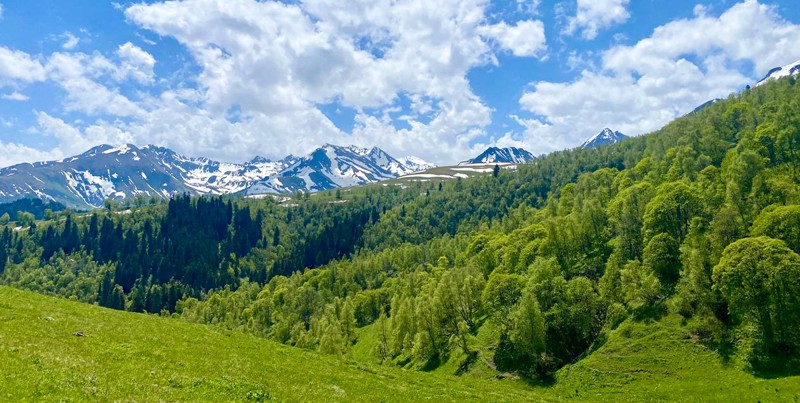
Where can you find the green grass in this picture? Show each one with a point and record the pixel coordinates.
(132, 357)
(660, 362)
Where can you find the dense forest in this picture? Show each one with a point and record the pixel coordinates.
(700, 219)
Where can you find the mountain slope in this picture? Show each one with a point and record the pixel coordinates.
(123, 356)
(508, 155)
(130, 357)
(605, 137)
(792, 69)
(332, 166)
(106, 172)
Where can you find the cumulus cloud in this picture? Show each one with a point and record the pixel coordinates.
(77, 75)
(15, 96)
(594, 15)
(277, 63)
(72, 41)
(14, 153)
(17, 66)
(136, 63)
(524, 39)
(72, 141)
(640, 88)
(400, 67)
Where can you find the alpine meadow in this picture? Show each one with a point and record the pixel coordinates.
(661, 266)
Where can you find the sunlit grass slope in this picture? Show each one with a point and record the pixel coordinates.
(130, 357)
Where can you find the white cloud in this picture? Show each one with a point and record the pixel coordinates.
(15, 96)
(1, 11)
(17, 66)
(524, 39)
(136, 62)
(69, 140)
(640, 88)
(595, 15)
(72, 41)
(76, 73)
(14, 153)
(72, 141)
(276, 62)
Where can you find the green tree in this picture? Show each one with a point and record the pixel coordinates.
(671, 211)
(501, 294)
(383, 347)
(780, 222)
(662, 257)
(528, 329)
(626, 213)
(759, 279)
(640, 286)
(25, 219)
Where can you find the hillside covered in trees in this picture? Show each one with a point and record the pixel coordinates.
(524, 272)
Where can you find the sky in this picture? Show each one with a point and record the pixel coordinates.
(441, 80)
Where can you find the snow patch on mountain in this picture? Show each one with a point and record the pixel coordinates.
(792, 69)
(605, 137)
(104, 172)
(416, 164)
(495, 155)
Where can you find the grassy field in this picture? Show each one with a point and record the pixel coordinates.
(131, 357)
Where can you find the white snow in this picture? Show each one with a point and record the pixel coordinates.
(481, 170)
(781, 72)
(427, 176)
(118, 150)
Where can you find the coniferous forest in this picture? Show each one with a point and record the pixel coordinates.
(700, 219)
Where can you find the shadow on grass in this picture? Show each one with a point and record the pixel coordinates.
(433, 363)
(778, 366)
(651, 313)
(548, 381)
(464, 367)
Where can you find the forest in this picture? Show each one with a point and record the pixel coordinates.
(700, 219)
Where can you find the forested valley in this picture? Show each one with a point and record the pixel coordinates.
(700, 219)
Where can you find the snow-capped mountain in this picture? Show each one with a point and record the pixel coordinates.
(792, 69)
(106, 172)
(332, 166)
(605, 137)
(495, 155)
(416, 164)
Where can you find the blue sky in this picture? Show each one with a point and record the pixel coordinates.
(439, 80)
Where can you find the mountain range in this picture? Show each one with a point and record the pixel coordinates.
(118, 173)
(495, 155)
(106, 172)
(605, 137)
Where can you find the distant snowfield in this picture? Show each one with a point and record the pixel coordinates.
(428, 176)
(482, 170)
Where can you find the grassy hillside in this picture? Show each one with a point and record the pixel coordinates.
(123, 357)
(133, 357)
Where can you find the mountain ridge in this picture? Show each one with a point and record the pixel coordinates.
(123, 172)
(605, 137)
(505, 155)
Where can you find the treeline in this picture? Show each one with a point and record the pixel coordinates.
(35, 208)
(698, 219)
(157, 255)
